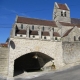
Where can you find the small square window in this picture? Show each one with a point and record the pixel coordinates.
(20, 35)
(33, 36)
(55, 38)
(45, 37)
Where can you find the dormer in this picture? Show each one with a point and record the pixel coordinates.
(61, 13)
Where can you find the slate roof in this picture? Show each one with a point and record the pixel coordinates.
(62, 6)
(36, 21)
(74, 22)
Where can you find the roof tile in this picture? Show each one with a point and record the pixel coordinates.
(45, 33)
(56, 34)
(33, 32)
(36, 21)
(21, 32)
(62, 6)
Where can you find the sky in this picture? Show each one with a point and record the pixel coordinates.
(41, 9)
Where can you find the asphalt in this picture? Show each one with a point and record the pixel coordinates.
(68, 74)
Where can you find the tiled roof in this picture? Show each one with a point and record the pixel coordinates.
(21, 32)
(45, 33)
(33, 32)
(62, 6)
(4, 44)
(56, 34)
(67, 32)
(35, 21)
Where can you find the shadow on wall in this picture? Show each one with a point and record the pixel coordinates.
(12, 44)
(30, 62)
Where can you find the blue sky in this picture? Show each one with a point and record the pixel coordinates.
(41, 9)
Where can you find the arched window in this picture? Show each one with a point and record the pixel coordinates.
(79, 38)
(21, 26)
(43, 28)
(32, 27)
(65, 14)
(53, 29)
(74, 38)
(61, 13)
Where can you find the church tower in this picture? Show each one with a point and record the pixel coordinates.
(61, 13)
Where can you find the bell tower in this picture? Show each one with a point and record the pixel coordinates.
(61, 13)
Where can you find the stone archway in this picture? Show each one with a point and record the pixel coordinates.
(30, 62)
(20, 47)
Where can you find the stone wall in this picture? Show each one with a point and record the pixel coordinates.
(4, 52)
(19, 47)
(71, 52)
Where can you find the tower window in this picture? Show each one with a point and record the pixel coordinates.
(33, 27)
(65, 14)
(61, 13)
(21, 26)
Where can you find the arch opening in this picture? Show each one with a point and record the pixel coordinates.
(30, 62)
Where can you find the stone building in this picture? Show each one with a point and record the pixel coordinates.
(35, 44)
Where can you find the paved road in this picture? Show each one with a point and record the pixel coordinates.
(69, 74)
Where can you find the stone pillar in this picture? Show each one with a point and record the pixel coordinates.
(51, 33)
(11, 68)
(40, 32)
(11, 63)
(27, 33)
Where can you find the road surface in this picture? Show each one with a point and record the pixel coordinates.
(69, 74)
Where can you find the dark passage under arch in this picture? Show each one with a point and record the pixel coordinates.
(30, 62)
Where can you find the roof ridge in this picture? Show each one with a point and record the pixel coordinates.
(34, 21)
(36, 18)
(60, 3)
